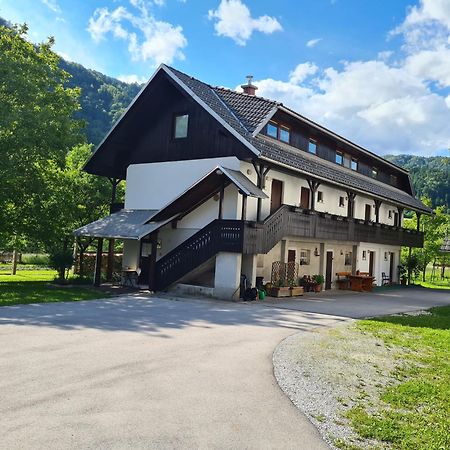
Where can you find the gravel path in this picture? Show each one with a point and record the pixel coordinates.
(326, 372)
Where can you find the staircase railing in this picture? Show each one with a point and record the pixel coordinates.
(218, 236)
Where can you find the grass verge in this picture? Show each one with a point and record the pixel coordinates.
(413, 412)
(34, 286)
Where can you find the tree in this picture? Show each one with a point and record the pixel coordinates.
(37, 129)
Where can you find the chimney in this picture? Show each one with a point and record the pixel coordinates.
(249, 88)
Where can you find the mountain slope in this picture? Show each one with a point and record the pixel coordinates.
(430, 176)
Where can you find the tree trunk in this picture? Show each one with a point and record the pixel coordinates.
(14, 262)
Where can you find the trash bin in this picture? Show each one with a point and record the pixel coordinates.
(262, 294)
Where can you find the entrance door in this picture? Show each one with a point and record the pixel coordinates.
(291, 267)
(391, 266)
(304, 198)
(368, 213)
(328, 270)
(371, 262)
(276, 196)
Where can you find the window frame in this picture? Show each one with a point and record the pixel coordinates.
(312, 141)
(286, 129)
(319, 196)
(341, 154)
(278, 128)
(354, 160)
(341, 201)
(174, 131)
(272, 124)
(304, 257)
(375, 173)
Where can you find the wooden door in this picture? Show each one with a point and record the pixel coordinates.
(391, 266)
(368, 213)
(291, 267)
(276, 196)
(304, 198)
(291, 256)
(328, 270)
(371, 262)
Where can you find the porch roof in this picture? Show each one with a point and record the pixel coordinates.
(131, 224)
(207, 187)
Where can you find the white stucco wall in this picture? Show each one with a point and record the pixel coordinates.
(152, 186)
(380, 264)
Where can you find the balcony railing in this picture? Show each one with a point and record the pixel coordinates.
(291, 221)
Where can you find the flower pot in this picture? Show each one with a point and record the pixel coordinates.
(296, 291)
(317, 288)
(282, 291)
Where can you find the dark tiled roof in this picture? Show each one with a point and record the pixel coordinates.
(244, 113)
(251, 110)
(334, 173)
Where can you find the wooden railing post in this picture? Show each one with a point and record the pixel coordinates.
(98, 263)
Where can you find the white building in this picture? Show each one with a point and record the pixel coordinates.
(220, 184)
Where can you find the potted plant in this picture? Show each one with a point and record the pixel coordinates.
(318, 280)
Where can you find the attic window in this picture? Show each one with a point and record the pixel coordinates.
(339, 158)
(354, 164)
(181, 126)
(312, 146)
(374, 172)
(278, 131)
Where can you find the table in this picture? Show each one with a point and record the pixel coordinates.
(361, 283)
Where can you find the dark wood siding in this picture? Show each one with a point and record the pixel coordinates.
(145, 134)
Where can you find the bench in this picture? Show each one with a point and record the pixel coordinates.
(343, 281)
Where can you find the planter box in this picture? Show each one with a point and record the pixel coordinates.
(296, 291)
(283, 291)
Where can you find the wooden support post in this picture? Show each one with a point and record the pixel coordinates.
(152, 265)
(244, 207)
(261, 174)
(313, 185)
(377, 210)
(400, 215)
(351, 204)
(221, 196)
(418, 215)
(110, 266)
(98, 263)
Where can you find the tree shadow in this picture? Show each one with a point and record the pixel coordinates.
(152, 315)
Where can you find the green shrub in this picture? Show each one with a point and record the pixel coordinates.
(35, 259)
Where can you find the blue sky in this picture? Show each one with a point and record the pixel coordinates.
(377, 72)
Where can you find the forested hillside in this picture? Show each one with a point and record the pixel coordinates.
(103, 99)
(430, 176)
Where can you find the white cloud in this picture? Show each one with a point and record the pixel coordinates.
(381, 107)
(301, 72)
(132, 78)
(233, 20)
(147, 37)
(313, 42)
(53, 5)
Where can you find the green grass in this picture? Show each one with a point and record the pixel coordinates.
(34, 286)
(414, 412)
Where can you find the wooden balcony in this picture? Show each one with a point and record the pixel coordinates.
(296, 222)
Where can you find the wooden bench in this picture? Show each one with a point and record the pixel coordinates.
(343, 280)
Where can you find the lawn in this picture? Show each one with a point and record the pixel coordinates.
(414, 411)
(35, 286)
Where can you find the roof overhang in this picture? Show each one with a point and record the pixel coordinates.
(133, 224)
(205, 188)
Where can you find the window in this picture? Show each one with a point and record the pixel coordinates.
(312, 146)
(386, 254)
(390, 214)
(304, 257)
(364, 255)
(272, 130)
(374, 172)
(284, 134)
(348, 259)
(278, 131)
(339, 158)
(181, 126)
(341, 202)
(354, 164)
(320, 196)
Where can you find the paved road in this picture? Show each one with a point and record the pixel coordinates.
(148, 373)
(357, 305)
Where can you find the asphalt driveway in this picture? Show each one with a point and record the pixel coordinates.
(358, 305)
(148, 373)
